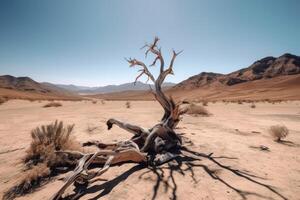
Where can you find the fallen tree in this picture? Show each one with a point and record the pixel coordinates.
(152, 146)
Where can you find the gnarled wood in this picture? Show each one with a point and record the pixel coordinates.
(157, 142)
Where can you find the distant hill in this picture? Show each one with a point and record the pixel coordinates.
(74, 88)
(110, 88)
(25, 87)
(267, 78)
(265, 68)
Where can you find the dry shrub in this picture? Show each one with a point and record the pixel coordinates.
(240, 102)
(29, 181)
(205, 103)
(278, 132)
(194, 109)
(41, 158)
(46, 140)
(52, 104)
(94, 101)
(2, 100)
(128, 104)
(253, 105)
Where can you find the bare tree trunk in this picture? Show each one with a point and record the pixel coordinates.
(157, 142)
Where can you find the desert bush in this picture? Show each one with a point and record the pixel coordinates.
(46, 140)
(29, 181)
(52, 104)
(2, 100)
(240, 102)
(278, 132)
(94, 101)
(128, 104)
(194, 109)
(204, 103)
(253, 105)
(41, 158)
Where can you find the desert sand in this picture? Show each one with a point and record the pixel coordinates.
(230, 134)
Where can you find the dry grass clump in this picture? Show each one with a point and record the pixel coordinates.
(194, 109)
(2, 100)
(278, 132)
(253, 105)
(52, 104)
(29, 181)
(41, 158)
(128, 104)
(240, 102)
(102, 101)
(94, 101)
(205, 103)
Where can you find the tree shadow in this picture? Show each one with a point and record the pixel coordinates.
(245, 175)
(185, 163)
(288, 143)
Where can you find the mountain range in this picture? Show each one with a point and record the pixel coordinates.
(270, 77)
(26, 88)
(265, 68)
(110, 88)
(267, 78)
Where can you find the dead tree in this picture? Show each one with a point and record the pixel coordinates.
(152, 146)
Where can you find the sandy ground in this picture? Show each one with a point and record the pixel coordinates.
(230, 134)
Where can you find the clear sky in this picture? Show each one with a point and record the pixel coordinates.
(84, 42)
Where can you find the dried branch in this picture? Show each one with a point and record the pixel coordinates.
(156, 141)
(134, 62)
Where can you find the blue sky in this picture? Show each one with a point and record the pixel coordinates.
(84, 42)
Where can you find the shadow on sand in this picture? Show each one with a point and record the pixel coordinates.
(186, 162)
(288, 143)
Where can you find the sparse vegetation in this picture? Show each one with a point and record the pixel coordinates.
(2, 100)
(278, 132)
(240, 102)
(253, 105)
(47, 139)
(205, 103)
(102, 101)
(194, 109)
(52, 104)
(128, 104)
(29, 181)
(41, 158)
(94, 101)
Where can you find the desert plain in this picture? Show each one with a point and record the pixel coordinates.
(225, 159)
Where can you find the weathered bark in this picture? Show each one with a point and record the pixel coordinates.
(152, 146)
